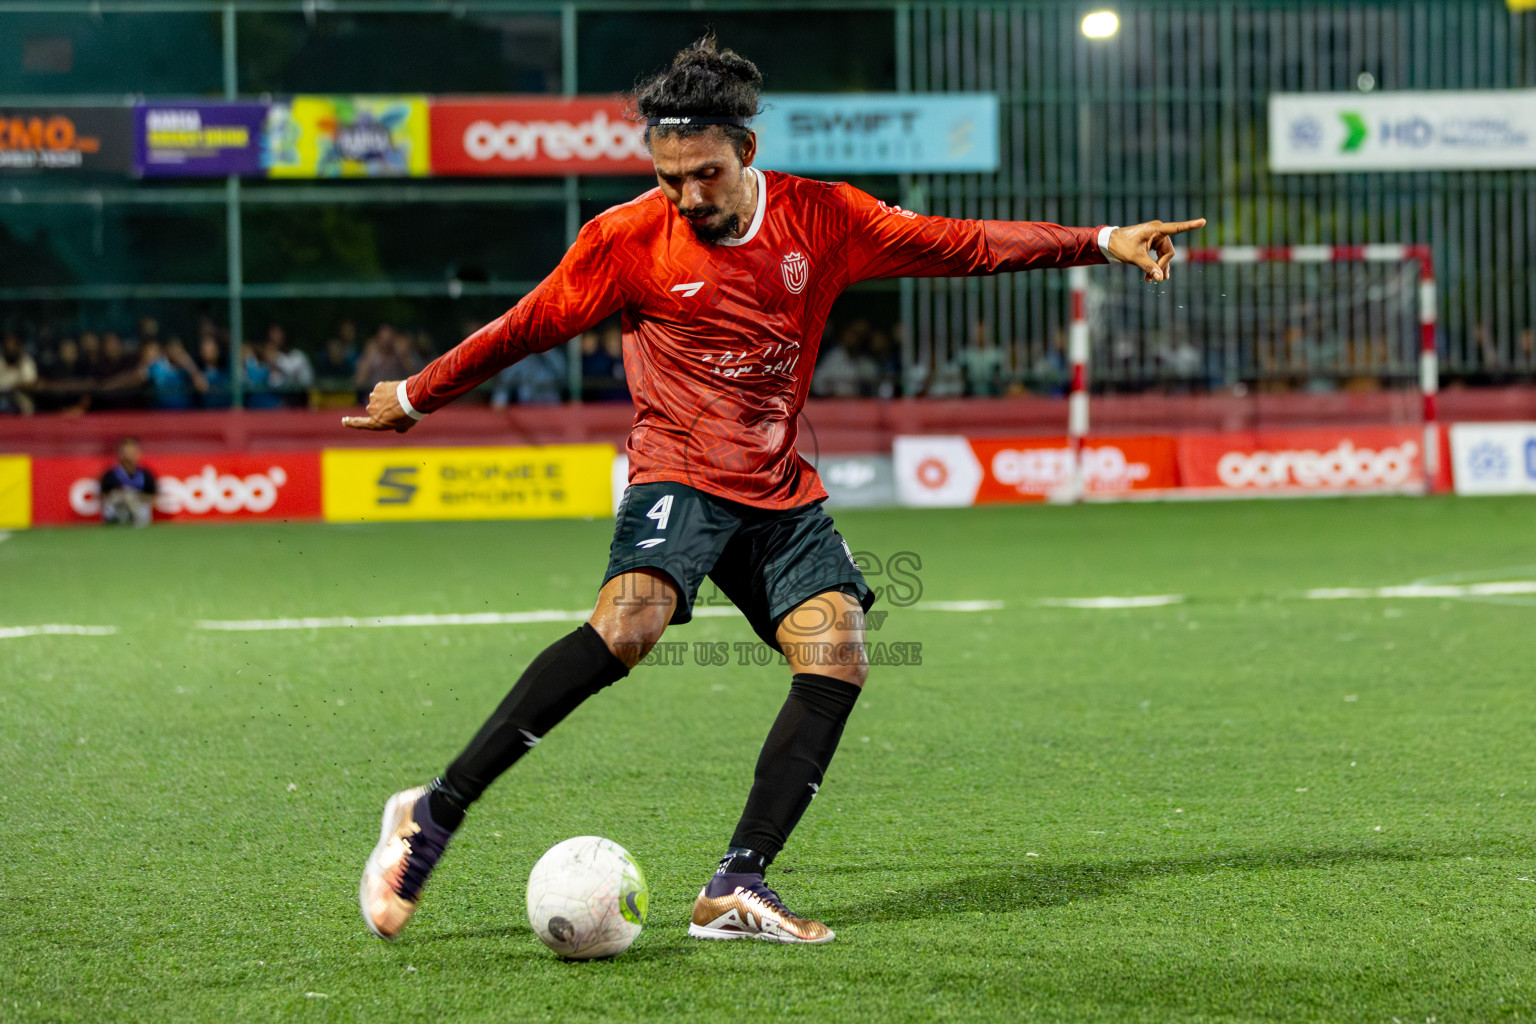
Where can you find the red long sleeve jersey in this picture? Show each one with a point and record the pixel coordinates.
(720, 338)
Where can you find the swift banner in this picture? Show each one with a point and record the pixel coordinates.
(1402, 131)
(960, 471)
(188, 140)
(878, 133)
(468, 483)
(64, 140)
(348, 137)
(536, 136)
(15, 492)
(279, 485)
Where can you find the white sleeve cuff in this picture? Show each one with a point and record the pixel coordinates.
(405, 402)
(1104, 233)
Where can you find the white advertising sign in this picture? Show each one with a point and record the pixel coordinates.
(936, 472)
(1327, 132)
(1494, 458)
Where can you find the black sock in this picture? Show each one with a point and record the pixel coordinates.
(790, 768)
(569, 671)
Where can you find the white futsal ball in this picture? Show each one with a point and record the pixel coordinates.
(586, 898)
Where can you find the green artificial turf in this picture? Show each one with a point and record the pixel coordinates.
(1247, 806)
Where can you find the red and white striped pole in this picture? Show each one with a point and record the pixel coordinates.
(1077, 396)
(1429, 368)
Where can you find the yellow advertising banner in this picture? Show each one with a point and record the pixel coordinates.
(348, 137)
(1522, 5)
(394, 484)
(15, 492)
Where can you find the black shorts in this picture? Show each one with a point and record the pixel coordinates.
(765, 562)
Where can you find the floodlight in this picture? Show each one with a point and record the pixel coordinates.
(1100, 25)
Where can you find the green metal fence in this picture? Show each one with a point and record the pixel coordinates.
(1166, 118)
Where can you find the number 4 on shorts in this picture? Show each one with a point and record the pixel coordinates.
(661, 511)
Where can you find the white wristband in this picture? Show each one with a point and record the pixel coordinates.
(1104, 234)
(405, 402)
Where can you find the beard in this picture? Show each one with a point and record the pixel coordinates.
(705, 231)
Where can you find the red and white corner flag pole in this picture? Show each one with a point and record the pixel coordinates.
(1077, 396)
(1429, 369)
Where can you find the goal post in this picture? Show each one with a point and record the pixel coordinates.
(1327, 302)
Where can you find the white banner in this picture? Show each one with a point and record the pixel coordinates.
(1402, 131)
(1494, 458)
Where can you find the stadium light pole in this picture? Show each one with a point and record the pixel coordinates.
(1097, 25)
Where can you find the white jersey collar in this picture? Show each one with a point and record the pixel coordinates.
(757, 217)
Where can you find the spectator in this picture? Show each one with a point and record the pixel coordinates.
(539, 380)
(338, 359)
(127, 488)
(18, 376)
(63, 381)
(291, 370)
(837, 369)
(612, 341)
(214, 369)
(886, 360)
(389, 355)
(983, 363)
(256, 379)
(169, 373)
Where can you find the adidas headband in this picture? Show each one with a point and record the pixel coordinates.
(656, 122)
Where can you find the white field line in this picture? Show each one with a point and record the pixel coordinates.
(1145, 601)
(1425, 590)
(503, 618)
(13, 632)
(5, 535)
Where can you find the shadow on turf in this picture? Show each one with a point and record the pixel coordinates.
(1029, 885)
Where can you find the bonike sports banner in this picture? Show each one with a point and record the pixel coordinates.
(961, 471)
(878, 133)
(66, 140)
(188, 140)
(1331, 460)
(398, 484)
(1322, 133)
(15, 492)
(1494, 458)
(348, 137)
(535, 136)
(278, 485)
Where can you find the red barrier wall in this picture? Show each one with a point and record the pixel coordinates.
(829, 426)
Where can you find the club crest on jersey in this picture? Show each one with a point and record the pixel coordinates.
(796, 270)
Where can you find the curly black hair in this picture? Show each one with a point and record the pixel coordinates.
(703, 81)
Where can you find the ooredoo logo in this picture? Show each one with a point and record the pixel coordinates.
(205, 492)
(1341, 466)
(596, 138)
(932, 473)
(1037, 470)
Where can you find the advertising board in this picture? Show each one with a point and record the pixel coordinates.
(1322, 461)
(1494, 458)
(187, 140)
(15, 492)
(536, 136)
(66, 140)
(348, 137)
(399, 484)
(1323, 133)
(277, 485)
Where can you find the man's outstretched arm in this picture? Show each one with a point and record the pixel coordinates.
(886, 241)
(581, 291)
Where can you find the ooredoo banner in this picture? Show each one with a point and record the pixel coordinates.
(537, 136)
(54, 140)
(283, 485)
(960, 471)
(1332, 460)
